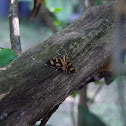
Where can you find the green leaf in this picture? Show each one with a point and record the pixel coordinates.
(57, 10)
(74, 94)
(97, 2)
(6, 56)
(1, 48)
(87, 118)
(109, 80)
(56, 23)
(67, 7)
(98, 82)
(88, 99)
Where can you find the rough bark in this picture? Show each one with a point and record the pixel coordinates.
(29, 90)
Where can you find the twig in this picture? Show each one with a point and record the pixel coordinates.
(14, 26)
(96, 92)
(48, 18)
(72, 113)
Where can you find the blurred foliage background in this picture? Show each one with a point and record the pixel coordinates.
(105, 103)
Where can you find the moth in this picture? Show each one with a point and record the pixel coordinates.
(62, 63)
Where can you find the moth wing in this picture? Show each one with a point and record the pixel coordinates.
(50, 63)
(55, 63)
(70, 67)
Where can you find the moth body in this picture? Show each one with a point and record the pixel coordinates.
(63, 64)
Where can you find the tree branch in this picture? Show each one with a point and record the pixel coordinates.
(48, 18)
(29, 90)
(14, 26)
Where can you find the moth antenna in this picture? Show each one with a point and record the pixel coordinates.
(58, 68)
(59, 54)
(45, 64)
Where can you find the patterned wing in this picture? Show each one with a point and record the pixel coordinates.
(55, 63)
(58, 64)
(70, 67)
